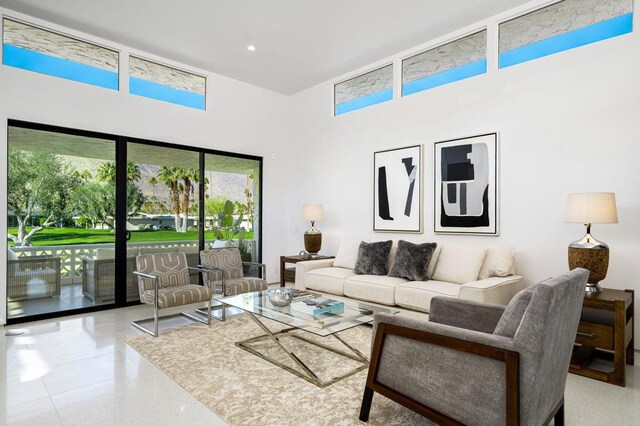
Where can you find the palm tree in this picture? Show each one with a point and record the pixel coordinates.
(107, 172)
(170, 176)
(189, 178)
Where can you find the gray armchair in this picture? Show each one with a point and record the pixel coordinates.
(480, 364)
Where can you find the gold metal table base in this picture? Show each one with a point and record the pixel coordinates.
(307, 373)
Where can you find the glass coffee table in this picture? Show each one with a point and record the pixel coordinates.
(257, 306)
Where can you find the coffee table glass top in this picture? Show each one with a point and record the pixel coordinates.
(355, 313)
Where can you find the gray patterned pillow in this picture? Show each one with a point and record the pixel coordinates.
(412, 261)
(372, 258)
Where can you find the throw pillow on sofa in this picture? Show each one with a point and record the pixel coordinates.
(372, 258)
(412, 261)
(459, 264)
(500, 262)
(347, 254)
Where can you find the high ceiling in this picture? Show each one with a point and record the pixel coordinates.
(299, 43)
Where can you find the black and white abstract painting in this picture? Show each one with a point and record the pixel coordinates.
(397, 189)
(466, 192)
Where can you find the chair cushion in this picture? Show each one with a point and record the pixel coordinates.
(241, 285)
(499, 262)
(347, 253)
(512, 316)
(11, 255)
(328, 280)
(224, 258)
(171, 269)
(459, 263)
(417, 295)
(372, 258)
(373, 288)
(412, 260)
(176, 296)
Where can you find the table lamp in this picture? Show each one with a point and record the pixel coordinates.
(589, 253)
(313, 237)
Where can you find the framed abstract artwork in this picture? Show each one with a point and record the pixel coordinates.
(466, 185)
(397, 190)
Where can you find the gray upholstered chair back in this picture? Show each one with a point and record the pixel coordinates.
(545, 339)
(227, 258)
(171, 268)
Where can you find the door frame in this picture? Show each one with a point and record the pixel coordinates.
(120, 244)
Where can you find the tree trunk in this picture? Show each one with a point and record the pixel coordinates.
(186, 195)
(175, 199)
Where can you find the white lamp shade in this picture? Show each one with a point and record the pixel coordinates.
(592, 207)
(312, 212)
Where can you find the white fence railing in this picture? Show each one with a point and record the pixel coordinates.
(71, 255)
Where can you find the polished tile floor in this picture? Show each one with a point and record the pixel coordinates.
(71, 297)
(79, 371)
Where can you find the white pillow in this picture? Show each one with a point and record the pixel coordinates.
(500, 262)
(105, 253)
(347, 253)
(434, 261)
(459, 264)
(392, 254)
(11, 255)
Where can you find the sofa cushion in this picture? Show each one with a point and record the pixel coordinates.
(459, 263)
(328, 280)
(417, 295)
(412, 260)
(372, 258)
(499, 262)
(347, 253)
(373, 288)
(512, 316)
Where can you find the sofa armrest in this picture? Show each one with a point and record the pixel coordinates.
(497, 290)
(308, 265)
(466, 314)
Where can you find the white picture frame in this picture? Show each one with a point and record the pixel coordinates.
(466, 195)
(397, 190)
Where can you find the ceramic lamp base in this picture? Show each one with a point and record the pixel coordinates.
(312, 242)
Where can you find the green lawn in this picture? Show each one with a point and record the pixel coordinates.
(67, 236)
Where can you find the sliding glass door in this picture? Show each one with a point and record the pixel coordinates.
(163, 205)
(61, 209)
(232, 204)
(82, 205)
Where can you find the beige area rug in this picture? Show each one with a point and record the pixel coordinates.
(245, 389)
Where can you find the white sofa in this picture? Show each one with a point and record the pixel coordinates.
(484, 274)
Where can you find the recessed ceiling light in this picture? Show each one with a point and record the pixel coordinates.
(251, 47)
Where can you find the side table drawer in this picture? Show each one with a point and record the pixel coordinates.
(595, 335)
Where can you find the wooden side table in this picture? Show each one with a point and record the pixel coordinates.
(606, 325)
(289, 274)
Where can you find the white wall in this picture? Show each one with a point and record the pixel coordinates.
(239, 118)
(566, 123)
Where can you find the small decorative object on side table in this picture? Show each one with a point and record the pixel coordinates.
(289, 274)
(606, 324)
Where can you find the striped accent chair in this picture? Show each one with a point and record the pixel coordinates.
(225, 272)
(163, 281)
